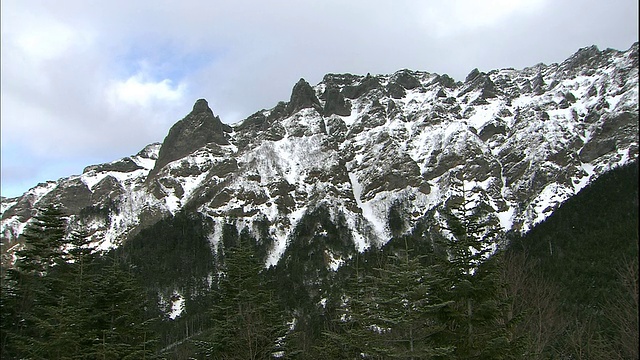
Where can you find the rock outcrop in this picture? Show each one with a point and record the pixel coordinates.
(196, 130)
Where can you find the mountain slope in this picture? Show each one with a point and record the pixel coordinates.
(524, 141)
(578, 270)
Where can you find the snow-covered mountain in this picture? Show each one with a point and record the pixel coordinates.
(524, 140)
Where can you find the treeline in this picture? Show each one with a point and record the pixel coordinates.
(566, 290)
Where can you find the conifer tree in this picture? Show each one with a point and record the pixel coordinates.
(247, 321)
(30, 291)
(407, 308)
(69, 332)
(392, 314)
(475, 324)
(44, 238)
(9, 321)
(62, 305)
(350, 337)
(118, 324)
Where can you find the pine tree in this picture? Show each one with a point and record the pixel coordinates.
(392, 314)
(247, 321)
(472, 283)
(118, 324)
(30, 290)
(44, 238)
(350, 336)
(407, 308)
(9, 319)
(62, 305)
(69, 332)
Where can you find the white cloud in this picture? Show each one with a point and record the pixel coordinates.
(454, 17)
(39, 37)
(49, 41)
(137, 90)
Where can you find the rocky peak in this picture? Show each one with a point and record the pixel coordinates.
(446, 81)
(632, 53)
(538, 84)
(340, 80)
(477, 80)
(405, 79)
(375, 143)
(150, 151)
(585, 58)
(201, 106)
(303, 96)
(472, 75)
(199, 128)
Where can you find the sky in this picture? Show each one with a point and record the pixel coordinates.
(90, 81)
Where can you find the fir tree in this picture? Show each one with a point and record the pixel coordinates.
(62, 305)
(247, 320)
(475, 325)
(44, 238)
(30, 292)
(393, 314)
(118, 324)
(407, 308)
(350, 337)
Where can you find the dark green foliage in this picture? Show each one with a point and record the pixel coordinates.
(396, 221)
(101, 211)
(119, 325)
(583, 251)
(581, 244)
(247, 323)
(303, 278)
(392, 314)
(471, 283)
(170, 251)
(175, 255)
(66, 304)
(44, 237)
(27, 292)
(260, 243)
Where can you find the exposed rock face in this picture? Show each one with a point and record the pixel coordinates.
(335, 103)
(122, 165)
(106, 192)
(196, 130)
(400, 82)
(618, 131)
(355, 146)
(479, 81)
(357, 90)
(405, 79)
(303, 96)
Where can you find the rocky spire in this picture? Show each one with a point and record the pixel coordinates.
(303, 96)
(199, 128)
(201, 106)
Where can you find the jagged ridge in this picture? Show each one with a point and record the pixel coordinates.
(526, 141)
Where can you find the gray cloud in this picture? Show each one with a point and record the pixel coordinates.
(93, 81)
